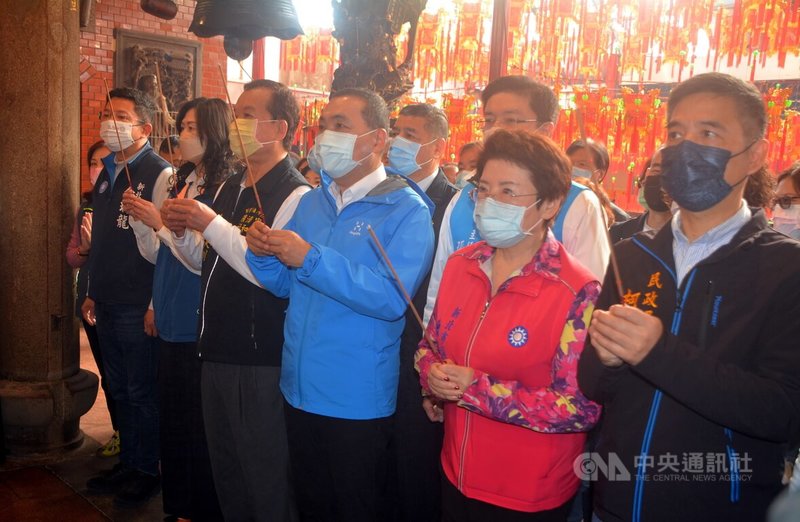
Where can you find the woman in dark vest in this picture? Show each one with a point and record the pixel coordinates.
(188, 488)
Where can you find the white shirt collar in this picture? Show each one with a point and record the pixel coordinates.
(357, 190)
(426, 182)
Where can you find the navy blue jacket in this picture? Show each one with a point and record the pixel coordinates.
(118, 274)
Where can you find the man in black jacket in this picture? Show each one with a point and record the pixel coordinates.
(120, 285)
(698, 369)
(416, 152)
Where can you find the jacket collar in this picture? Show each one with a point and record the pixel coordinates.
(546, 263)
(660, 243)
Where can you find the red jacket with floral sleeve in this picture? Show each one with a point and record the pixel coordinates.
(512, 439)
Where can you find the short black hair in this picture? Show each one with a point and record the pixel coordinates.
(792, 173)
(435, 118)
(747, 98)
(598, 150)
(143, 105)
(282, 105)
(469, 146)
(166, 143)
(760, 188)
(375, 113)
(541, 98)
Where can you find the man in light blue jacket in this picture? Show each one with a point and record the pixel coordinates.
(346, 311)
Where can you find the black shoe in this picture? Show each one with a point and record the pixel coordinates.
(109, 481)
(138, 488)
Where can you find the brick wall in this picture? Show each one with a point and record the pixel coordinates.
(97, 59)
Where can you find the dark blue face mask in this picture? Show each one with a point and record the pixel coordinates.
(694, 175)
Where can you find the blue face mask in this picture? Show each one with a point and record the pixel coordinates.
(500, 224)
(578, 172)
(694, 175)
(333, 153)
(403, 156)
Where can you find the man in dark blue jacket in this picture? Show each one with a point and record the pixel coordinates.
(698, 369)
(119, 291)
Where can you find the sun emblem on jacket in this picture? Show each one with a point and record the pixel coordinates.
(518, 336)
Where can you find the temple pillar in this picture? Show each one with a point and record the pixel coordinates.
(43, 391)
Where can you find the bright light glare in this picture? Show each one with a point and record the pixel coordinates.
(314, 13)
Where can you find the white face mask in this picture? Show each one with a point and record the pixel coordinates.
(94, 173)
(787, 220)
(578, 172)
(500, 224)
(463, 177)
(192, 149)
(108, 131)
(334, 152)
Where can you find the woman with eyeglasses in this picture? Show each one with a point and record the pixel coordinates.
(506, 333)
(786, 204)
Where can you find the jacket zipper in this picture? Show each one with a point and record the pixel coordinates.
(468, 416)
(203, 314)
(306, 318)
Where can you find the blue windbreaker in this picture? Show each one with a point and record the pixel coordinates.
(346, 312)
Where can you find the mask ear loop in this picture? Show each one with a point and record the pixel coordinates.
(358, 162)
(528, 232)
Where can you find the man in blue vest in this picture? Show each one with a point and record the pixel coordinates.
(119, 291)
(518, 102)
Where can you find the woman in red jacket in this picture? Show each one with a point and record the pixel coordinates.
(509, 325)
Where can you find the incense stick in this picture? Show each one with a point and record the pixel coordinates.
(174, 184)
(241, 144)
(613, 257)
(402, 287)
(116, 129)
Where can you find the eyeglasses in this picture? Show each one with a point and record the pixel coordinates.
(505, 196)
(785, 202)
(508, 121)
(120, 117)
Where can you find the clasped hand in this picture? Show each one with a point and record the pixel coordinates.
(180, 214)
(624, 334)
(448, 381)
(286, 245)
(141, 210)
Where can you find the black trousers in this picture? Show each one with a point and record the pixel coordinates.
(339, 466)
(458, 508)
(94, 345)
(186, 481)
(416, 453)
(245, 426)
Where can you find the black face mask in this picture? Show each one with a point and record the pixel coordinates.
(694, 174)
(653, 194)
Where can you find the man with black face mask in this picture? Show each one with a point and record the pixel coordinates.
(698, 369)
(653, 198)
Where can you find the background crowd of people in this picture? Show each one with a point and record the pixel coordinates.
(249, 312)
